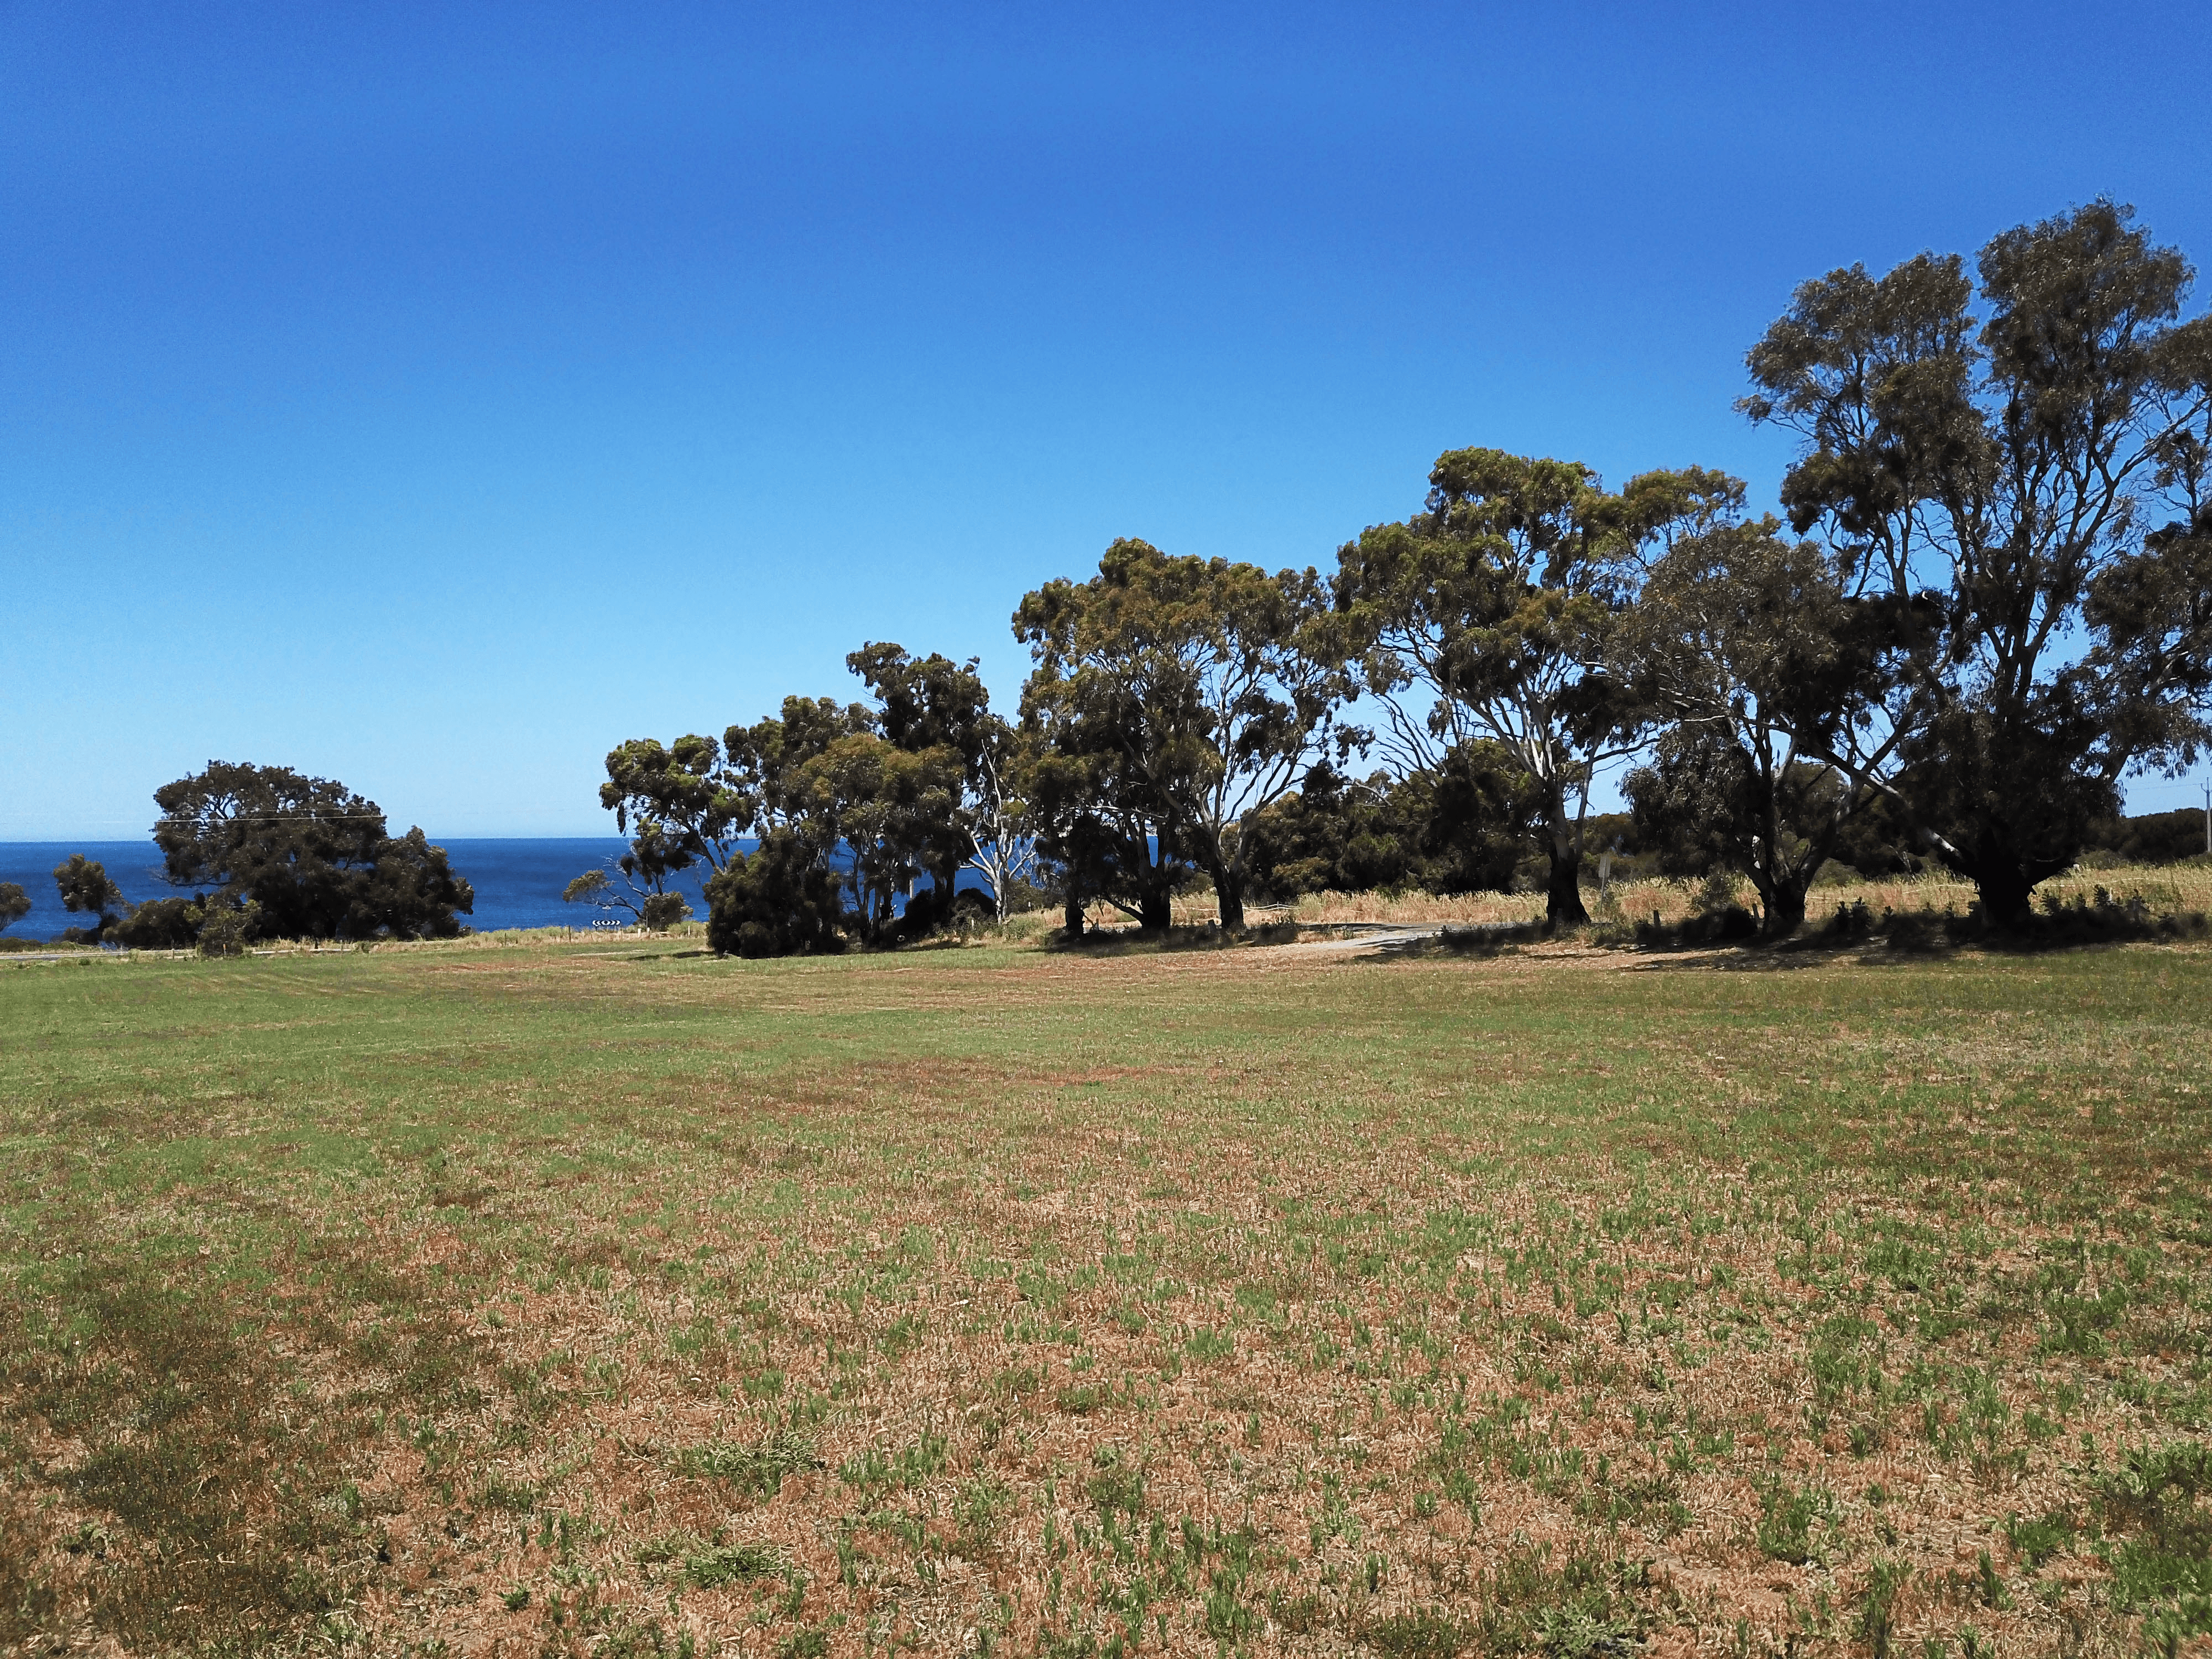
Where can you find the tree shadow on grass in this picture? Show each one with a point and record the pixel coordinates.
(1871, 938)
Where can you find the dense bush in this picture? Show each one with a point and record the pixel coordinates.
(163, 924)
(228, 929)
(779, 901)
(2151, 838)
(311, 858)
(661, 911)
(1459, 830)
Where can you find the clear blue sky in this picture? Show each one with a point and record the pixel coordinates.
(433, 397)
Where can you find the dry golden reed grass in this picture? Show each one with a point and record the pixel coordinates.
(2180, 887)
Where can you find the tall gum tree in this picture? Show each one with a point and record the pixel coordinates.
(1212, 686)
(780, 770)
(1488, 616)
(889, 808)
(2037, 476)
(1002, 821)
(932, 705)
(1096, 818)
(677, 810)
(1744, 648)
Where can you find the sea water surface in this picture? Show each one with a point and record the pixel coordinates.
(518, 881)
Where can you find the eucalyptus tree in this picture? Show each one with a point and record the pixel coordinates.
(787, 778)
(1744, 649)
(2037, 470)
(1194, 692)
(1002, 825)
(831, 784)
(649, 903)
(893, 813)
(678, 811)
(1096, 818)
(87, 889)
(1461, 828)
(972, 814)
(1488, 616)
(14, 904)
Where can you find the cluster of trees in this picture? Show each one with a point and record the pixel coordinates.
(846, 809)
(1988, 598)
(267, 853)
(2154, 837)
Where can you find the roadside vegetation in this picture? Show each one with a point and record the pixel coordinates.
(615, 1298)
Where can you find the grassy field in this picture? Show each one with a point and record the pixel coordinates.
(616, 1299)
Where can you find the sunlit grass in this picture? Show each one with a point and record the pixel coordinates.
(611, 1297)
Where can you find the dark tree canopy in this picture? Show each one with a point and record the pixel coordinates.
(1097, 823)
(162, 924)
(836, 808)
(86, 890)
(2039, 473)
(311, 856)
(1489, 615)
(1746, 651)
(674, 805)
(14, 904)
(2154, 837)
(939, 712)
(780, 900)
(1458, 828)
(1193, 692)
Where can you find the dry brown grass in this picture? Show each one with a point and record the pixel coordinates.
(2180, 887)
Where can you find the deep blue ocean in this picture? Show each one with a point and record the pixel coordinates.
(517, 882)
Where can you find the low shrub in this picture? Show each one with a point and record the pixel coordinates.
(226, 932)
(165, 924)
(1481, 940)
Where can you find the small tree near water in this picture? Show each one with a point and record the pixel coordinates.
(86, 890)
(656, 912)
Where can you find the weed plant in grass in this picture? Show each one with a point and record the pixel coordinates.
(620, 1300)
